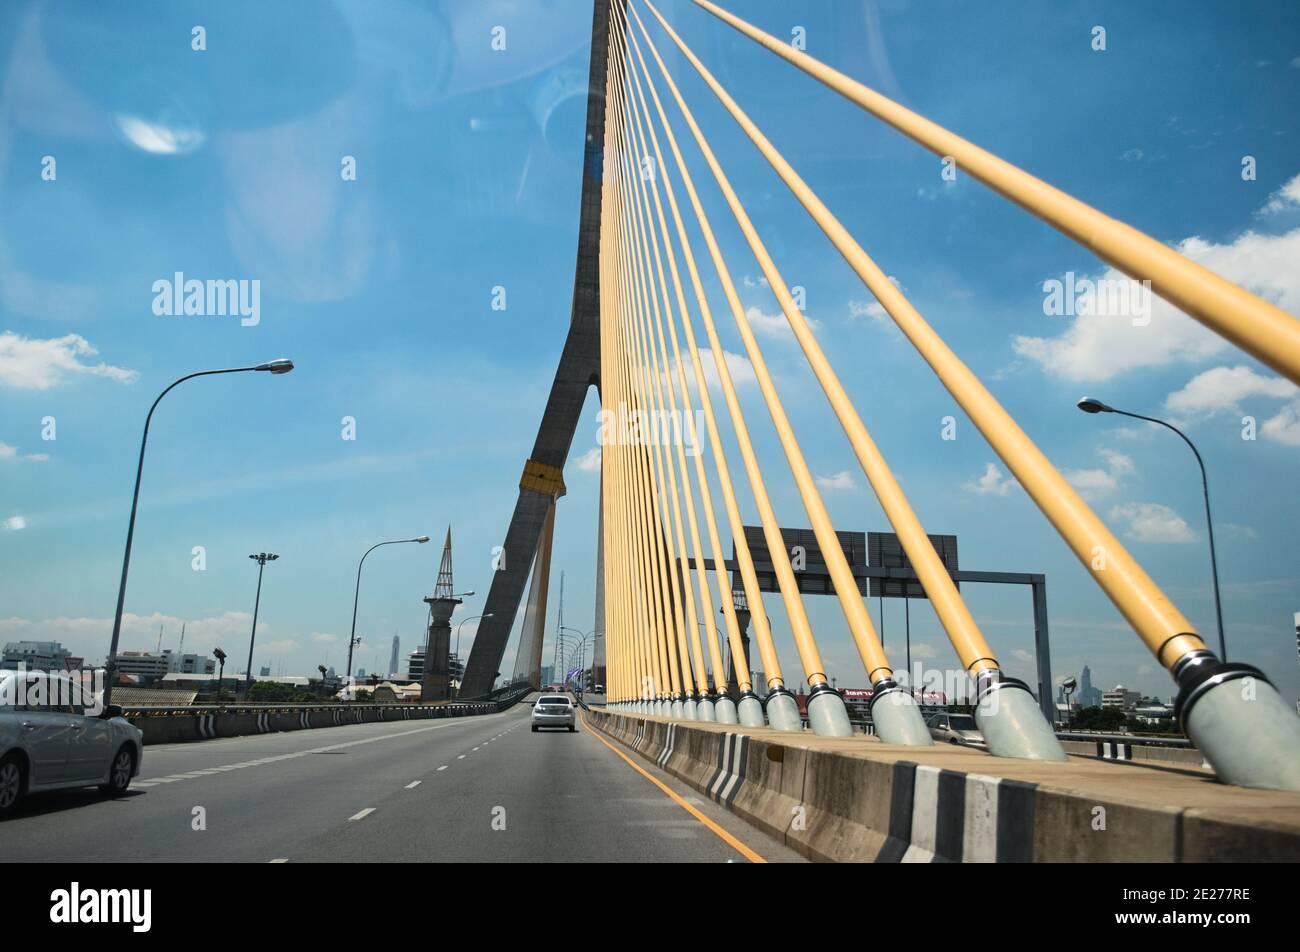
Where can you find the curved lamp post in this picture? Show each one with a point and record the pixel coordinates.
(1089, 405)
(581, 647)
(281, 365)
(261, 558)
(463, 620)
(352, 638)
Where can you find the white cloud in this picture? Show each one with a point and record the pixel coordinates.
(1118, 462)
(1099, 346)
(589, 462)
(1152, 522)
(759, 282)
(841, 480)
(993, 483)
(90, 636)
(768, 325)
(871, 309)
(1222, 389)
(1288, 196)
(323, 637)
(1285, 426)
(11, 452)
(774, 326)
(33, 364)
(741, 370)
(157, 138)
(14, 523)
(1090, 482)
(1097, 482)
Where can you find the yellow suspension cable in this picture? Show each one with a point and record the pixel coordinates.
(651, 525)
(968, 641)
(649, 486)
(1164, 629)
(864, 634)
(1261, 329)
(669, 418)
(745, 563)
(706, 602)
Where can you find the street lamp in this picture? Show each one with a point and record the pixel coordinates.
(352, 638)
(221, 671)
(1089, 405)
(281, 365)
(261, 558)
(581, 648)
(1067, 688)
(470, 618)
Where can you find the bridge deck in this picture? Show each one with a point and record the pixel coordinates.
(1150, 813)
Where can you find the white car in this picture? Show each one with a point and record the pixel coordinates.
(554, 710)
(959, 729)
(48, 741)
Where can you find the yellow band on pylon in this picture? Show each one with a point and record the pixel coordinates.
(542, 478)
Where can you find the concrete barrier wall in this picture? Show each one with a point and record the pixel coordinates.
(834, 805)
(178, 725)
(1120, 749)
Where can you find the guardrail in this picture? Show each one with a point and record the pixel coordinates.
(1135, 748)
(1137, 739)
(165, 724)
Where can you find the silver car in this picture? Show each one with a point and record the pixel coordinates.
(958, 729)
(554, 710)
(51, 738)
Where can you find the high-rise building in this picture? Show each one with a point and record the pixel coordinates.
(142, 665)
(415, 666)
(37, 655)
(1089, 696)
(189, 663)
(392, 659)
(1121, 698)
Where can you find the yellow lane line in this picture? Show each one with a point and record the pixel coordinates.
(717, 831)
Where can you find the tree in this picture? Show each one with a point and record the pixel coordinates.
(1099, 719)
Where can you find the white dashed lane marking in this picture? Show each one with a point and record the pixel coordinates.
(261, 761)
(362, 815)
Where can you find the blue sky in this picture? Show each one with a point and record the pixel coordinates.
(225, 163)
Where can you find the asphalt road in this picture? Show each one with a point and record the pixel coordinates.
(482, 789)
